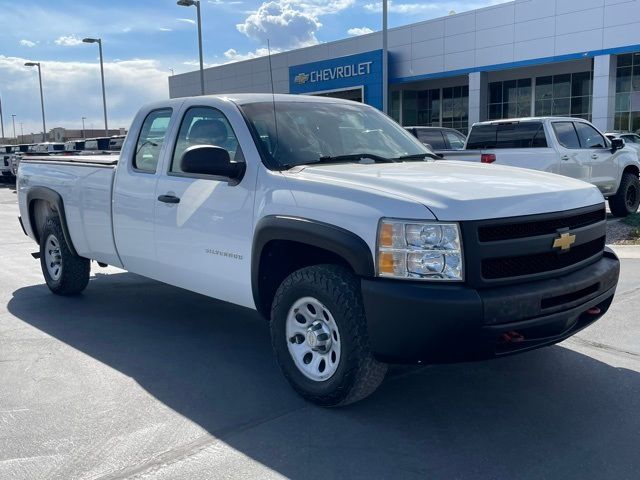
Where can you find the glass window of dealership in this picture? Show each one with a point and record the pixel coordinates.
(557, 94)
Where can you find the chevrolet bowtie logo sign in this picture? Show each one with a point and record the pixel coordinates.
(564, 241)
(301, 78)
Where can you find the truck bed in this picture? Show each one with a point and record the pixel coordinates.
(84, 184)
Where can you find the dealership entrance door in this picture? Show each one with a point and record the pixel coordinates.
(355, 94)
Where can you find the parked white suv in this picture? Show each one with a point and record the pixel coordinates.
(567, 146)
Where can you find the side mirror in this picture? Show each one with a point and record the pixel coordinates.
(210, 160)
(616, 144)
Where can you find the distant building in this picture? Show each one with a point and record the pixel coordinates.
(60, 134)
(521, 58)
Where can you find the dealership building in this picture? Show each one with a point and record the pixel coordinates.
(524, 58)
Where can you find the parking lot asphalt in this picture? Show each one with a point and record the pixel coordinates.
(137, 379)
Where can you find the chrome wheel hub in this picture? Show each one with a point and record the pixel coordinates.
(53, 257)
(313, 339)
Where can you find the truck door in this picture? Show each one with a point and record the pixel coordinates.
(597, 155)
(134, 198)
(573, 161)
(204, 226)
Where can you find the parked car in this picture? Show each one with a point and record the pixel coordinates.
(567, 146)
(115, 143)
(6, 151)
(74, 146)
(48, 147)
(18, 152)
(97, 144)
(630, 139)
(441, 140)
(337, 226)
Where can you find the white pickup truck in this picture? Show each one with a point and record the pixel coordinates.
(566, 146)
(337, 226)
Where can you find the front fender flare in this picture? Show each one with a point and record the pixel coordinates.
(352, 248)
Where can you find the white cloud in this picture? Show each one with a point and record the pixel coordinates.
(282, 24)
(289, 23)
(440, 8)
(27, 43)
(233, 56)
(186, 20)
(72, 90)
(164, 29)
(359, 31)
(68, 41)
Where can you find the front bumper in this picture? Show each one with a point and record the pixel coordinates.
(413, 322)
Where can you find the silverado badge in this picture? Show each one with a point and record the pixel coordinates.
(564, 241)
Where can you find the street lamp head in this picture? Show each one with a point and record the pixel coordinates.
(31, 64)
(186, 3)
(90, 40)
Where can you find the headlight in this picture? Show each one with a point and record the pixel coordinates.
(419, 250)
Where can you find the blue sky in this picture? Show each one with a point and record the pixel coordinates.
(144, 39)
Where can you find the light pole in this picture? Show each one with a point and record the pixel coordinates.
(83, 119)
(190, 3)
(1, 119)
(21, 132)
(385, 59)
(44, 127)
(171, 71)
(104, 97)
(13, 117)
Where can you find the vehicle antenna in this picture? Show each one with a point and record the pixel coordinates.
(273, 98)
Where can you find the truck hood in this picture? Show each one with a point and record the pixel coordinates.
(455, 191)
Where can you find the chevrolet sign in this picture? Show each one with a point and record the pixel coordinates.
(326, 74)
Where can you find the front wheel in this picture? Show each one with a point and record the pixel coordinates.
(627, 198)
(64, 272)
(319, 335)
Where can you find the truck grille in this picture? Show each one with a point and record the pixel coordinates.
(520, 249)
(505, 267)
(493, 233)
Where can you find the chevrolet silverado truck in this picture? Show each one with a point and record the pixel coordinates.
(567, 146)
(336, 225)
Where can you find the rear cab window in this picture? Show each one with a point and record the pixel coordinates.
(507, 135)
(150, 141)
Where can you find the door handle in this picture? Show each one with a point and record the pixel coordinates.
(564, 157)
(168, 199)
(594, 156)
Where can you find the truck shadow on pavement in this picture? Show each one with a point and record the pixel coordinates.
(551, 413)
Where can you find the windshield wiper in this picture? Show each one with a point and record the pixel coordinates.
(352, 158)
(417, 156)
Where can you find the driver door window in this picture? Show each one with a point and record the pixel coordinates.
(589, 136)
(205, 126)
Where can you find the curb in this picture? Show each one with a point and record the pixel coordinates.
(626, 251)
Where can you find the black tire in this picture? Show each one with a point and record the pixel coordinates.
(627, 198)
(358, 374)
(74, 271)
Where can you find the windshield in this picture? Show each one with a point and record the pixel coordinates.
(310, 132)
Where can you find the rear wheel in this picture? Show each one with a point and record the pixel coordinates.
(627, 198)
(319, 334)
(64, 272)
